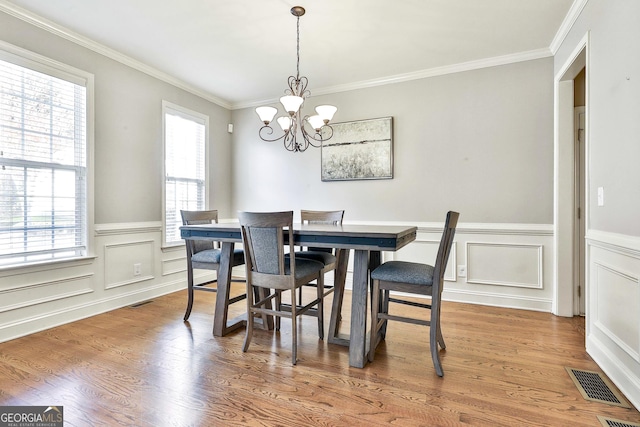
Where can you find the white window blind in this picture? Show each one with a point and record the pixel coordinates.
(43, 141)
(185, 135)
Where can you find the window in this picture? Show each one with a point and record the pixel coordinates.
(185, 133)
(43, 160)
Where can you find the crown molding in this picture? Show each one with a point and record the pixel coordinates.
(569, 20)
(60, 31)
(417, 75)
(51, 27)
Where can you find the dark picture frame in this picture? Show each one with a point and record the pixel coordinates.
(358, 150)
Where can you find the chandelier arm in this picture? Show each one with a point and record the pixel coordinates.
(289, 142)
(268, 130)
(311, 138)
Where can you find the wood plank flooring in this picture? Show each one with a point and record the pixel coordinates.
(144, 366)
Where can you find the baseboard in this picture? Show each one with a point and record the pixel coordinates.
(616, 370)
(498, 300)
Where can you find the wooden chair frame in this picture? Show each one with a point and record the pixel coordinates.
(193, 247)
(380, 307)
(272, 284)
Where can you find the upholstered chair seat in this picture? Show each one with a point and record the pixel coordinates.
(213, 256)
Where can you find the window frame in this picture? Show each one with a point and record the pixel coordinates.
(39, 63)
(197, 117)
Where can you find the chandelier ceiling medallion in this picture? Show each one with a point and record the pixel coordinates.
(293, 123)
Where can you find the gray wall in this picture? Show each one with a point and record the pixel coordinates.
(614, 107)
(128, 128)
(613, 150)
(480, 142)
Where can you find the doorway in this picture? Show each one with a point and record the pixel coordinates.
(570, 181)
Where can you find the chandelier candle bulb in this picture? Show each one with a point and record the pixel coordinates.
(294, 122)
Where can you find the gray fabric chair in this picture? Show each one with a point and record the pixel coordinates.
(205, 255)
(264, 237)
(412, 278)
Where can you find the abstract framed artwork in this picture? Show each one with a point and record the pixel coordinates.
(359, 150)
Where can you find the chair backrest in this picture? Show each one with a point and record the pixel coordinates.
(264, 236)
(196, 218)
(445, 249)
(321, 217)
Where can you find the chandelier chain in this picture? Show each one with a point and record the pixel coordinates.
(298, 49)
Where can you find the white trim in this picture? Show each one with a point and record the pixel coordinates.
(417, 75)
(42, 64)
(540, 262)
(471, 228)
(493, 299)
(564, 176)
(619, 243)
(128, 228)
(574, 12)
(33, 287)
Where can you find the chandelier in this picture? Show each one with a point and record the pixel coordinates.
(291, 123)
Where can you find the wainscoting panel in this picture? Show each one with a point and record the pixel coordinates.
(505, 264)
(38, 297)
(614, 289)
(613, 308)
(127, 263)
(174, 260)
(109, 280)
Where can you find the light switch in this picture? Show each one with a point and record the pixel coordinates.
(600, 196)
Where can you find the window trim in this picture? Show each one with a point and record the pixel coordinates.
(189, 114)
(43, 64)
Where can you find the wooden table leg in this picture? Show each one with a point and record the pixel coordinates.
(220, 327)
(342, 261)
(359, 294)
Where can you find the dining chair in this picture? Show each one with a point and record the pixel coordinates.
(417, 279)
(264, 237)
(205, 255)
(327, 256)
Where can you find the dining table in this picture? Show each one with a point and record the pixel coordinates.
(367, 242)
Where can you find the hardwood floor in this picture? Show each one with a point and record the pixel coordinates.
(144, 366)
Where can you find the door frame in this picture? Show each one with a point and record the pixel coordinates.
(564, 178)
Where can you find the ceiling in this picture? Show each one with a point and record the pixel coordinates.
(240, 52)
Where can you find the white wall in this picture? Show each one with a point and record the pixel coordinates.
(613, 230)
